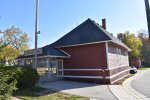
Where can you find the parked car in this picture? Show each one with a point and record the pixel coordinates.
(133, 70)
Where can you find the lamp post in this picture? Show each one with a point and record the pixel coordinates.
(36, 36)
(148, 15)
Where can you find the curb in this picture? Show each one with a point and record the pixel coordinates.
(112, 92)
(138, 95)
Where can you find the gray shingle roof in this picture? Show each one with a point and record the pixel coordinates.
(87, 32)
(47, 51)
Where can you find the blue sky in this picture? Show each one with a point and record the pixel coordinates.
(58, 17)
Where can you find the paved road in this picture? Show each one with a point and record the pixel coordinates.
(142, 83)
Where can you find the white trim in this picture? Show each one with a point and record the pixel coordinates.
(65, 52)
(84, 44)
(101, 77)
(84, 69)
(119, 79)
(117, 67)
(60, 69)
(45, 57)
(107, 58)
(71, 76)
(128, 49)
(48, 66)
(112, 76)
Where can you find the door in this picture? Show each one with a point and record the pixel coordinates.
(60, 68)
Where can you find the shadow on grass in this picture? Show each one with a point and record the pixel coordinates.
(32, 92)
(37, 93)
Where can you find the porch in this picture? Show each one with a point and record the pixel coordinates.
(49, 62)
(49, 68)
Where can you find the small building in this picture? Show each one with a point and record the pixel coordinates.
(87, 53)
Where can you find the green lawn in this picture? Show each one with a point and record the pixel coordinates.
(42, 70)
(144, 68)
(37, 93)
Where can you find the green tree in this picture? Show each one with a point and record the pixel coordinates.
(6, 86)
(132, 42)
(145, 49)
(12, 43)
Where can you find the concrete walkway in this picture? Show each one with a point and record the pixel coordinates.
(96, 91)
(93, 91)
(121, 93)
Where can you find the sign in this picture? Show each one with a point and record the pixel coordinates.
(32, 52)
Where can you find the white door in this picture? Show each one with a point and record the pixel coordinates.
(59, 68)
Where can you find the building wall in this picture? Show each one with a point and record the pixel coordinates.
(88, 63)
(118, 62)
(91, 56)
(117, 56)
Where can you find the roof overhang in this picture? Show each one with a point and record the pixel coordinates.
(84, 44)
(45, 56)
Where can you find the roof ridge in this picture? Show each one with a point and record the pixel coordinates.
(113, 38)
(101, 28)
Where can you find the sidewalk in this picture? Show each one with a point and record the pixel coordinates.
(121, 93)
(92, 91)
(96, 91)
(136, 94)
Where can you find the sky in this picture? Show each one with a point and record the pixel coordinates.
(57, 17)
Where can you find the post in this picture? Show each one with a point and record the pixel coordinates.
(48, 66)
(148, 15)
(36, 31)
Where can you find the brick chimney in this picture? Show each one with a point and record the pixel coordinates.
(104, 23)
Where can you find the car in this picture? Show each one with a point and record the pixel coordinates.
(133, 70)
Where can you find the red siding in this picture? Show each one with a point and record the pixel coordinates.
(85, 56)
(84, 73)
(92, 56)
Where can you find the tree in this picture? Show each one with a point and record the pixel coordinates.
(143, 37)
(132, 42)
(12, 43)
(145, 49)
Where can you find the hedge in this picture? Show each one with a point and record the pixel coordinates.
(25, 76)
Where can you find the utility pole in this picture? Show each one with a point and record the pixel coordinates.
(147, 7)
(36, 36)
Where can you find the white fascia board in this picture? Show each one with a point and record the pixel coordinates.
(71, 76)
(83, 44)
(83, 69)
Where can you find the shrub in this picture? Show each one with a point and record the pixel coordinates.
(25, 76)
(6, 87)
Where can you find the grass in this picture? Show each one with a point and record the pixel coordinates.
(42, 70)
(144, 68)
(37, 93)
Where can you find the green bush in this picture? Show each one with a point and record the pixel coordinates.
(25, 76)
(6, 87)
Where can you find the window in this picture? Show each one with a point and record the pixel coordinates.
(118, 56)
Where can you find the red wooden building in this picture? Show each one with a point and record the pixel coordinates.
(88, 53)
